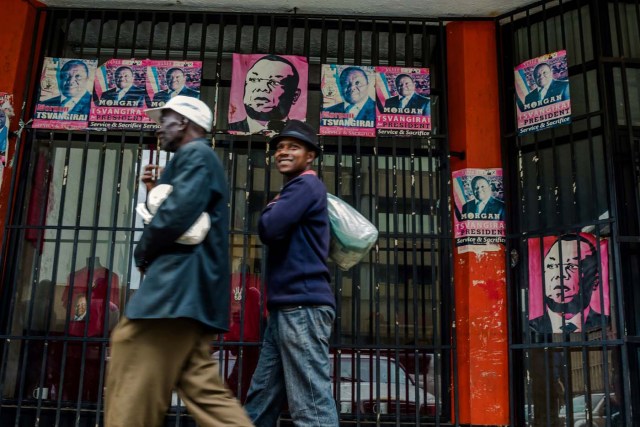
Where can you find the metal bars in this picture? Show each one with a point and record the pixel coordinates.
(392, 322)
(563, 182)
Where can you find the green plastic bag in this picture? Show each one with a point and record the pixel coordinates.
(352, 235)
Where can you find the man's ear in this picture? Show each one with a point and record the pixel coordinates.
(311, 155)
(296, 95)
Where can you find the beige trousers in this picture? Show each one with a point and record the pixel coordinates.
(150, 358)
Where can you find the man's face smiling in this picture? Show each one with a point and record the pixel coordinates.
(562, 277)
(482, 190)
(175, 80)
(542, 76)
(293, 157)
(124, 78)
(355, 87)
(264, 87)
(406, 86)
(73, 81)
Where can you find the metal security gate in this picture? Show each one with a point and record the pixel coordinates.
(73, 227)
(568, 184)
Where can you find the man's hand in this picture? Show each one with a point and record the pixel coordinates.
(150, 175)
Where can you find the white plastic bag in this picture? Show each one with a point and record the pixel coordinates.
(352, 235)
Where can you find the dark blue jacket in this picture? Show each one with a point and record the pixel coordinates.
(187, 280)
(295, 228)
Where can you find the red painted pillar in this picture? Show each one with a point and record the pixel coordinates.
(17, 34)
(479, 279)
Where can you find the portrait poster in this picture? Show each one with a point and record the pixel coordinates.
(542, 93)
(266, 91)
(403, 100)
(120, 96)
(551, 255)
(6, 113)
(479, 209)
(64, 100)
(348, 100)
(166, 79)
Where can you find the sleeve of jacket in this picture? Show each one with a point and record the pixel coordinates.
(281, 215)
(189, 198)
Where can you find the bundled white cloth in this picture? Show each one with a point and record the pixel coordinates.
(158, 194)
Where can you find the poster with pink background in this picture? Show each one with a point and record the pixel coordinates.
(65, 93)
(120, 96)
(348, 100)
(266, 91)
(538, 249)
(166, 79)
(403, 101)
(479, 209)
(542, 92)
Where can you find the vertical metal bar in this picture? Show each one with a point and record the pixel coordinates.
(151, 35)
(618, 24)
(446, 226)
(218, 75)
(116, 43)
(134, 36)
(289, 45)
(272, 35)
(408, 45)
(609, 136)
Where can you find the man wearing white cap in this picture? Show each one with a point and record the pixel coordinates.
(163, 341)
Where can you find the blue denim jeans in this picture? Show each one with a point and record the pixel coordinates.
(294, 367)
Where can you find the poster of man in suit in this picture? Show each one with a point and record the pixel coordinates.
(479, 209)
(568, 283)
(120, 96)
(166, 79)
(403, 100)
(353, 112)
(65, 93)
(266, 91)
(542, 92)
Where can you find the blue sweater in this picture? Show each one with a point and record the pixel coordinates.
(295, 228)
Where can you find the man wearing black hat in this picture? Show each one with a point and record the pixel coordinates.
(294, 360)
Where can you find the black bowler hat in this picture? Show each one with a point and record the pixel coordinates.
(299, 130)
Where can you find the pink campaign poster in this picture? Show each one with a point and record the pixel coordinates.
(542, 93)
(120, 96)
(266, 91)
(166, 79)
(479, 208)
(65, 93)
(348, 100)
(404, 103)
(6, 114)
(568, 288)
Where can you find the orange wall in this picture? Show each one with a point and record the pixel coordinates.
(16, 37)
(479, 279)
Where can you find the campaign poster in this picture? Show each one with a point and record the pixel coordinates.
(166, 79)
(266, 91)
(6, 113)
(542, 93)
(64, 100)
(120, 96)
(404, 102)
(479, 209)
(348, 100)
(566, 280)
